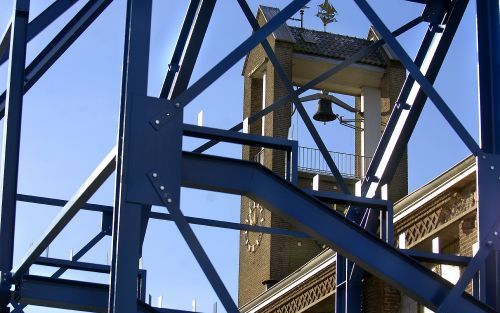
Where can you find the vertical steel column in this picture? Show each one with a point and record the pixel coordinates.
(488, 37)
(177, 79)
(127, 217)
(340, 284)
(11, 144)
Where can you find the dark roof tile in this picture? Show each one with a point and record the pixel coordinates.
(333, 45)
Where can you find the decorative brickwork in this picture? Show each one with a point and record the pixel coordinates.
(449, 207)
(313, 290)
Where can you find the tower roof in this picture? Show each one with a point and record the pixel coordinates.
(321, 43)
(333, 45)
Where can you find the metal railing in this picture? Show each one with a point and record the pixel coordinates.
(350, 165)
(310, 160)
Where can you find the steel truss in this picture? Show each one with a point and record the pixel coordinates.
(156, 125)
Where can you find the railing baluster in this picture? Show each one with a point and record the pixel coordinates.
(310, 160)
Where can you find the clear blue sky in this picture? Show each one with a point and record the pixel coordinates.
(70, 124)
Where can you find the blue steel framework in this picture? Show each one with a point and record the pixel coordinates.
(154, 176)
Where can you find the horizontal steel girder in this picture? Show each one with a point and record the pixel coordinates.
(251, 179)
(71, 295)
(315, 218)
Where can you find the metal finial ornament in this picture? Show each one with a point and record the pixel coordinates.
(301, 19)
(327, 13)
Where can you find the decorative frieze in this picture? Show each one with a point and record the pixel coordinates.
(447, 208)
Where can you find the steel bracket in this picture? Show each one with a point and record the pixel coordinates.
(106, 222)
(5, 283)
(174, 67)
(488, 174)
(434, 12)
(156, 151)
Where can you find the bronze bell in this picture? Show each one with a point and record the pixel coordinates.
(324, 112)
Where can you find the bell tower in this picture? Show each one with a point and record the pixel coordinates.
(374, 82)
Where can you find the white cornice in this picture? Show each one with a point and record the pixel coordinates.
(308, 270)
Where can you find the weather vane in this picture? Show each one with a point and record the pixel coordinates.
(327, 13)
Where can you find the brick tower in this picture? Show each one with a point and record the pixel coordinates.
(375, 82)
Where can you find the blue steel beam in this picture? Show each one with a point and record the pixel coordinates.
(237, 137)
(174, 65)
(193, 28)
(437, 258)
(295, 99)
(489, 246)
(339, 198)
(88, 188)
(73, 265)
(488, 43)
(318, 79)
(62, 294)
(410, 103)
(449, 304)
(5, 39)
(62, 203)
(128, 218)
(76, 257)
(71, 295)
(237, 54)
(231, 59)
(193, 243)
(167, 217)
(61, 42)
(405, 115)
(39, 23)
(9, 166)
(415, 72)
(319, 221)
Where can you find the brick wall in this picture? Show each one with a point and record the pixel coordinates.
(467, 237)
(378, 296)
(254, 267)
(272, 258)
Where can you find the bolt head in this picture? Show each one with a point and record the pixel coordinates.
(489, 243)
(495, 233)
(157, 122)
(177, 105)
(162, 187)
(169, 200)
(492, 167)
(484, 157)
(155, 175)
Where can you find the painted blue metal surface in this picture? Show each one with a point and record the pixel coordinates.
(192, 220)
(88, 188)
(174, 65)
(39, 23)
(61, 42)
(158, 182)
(132, 209)
(419, 77)
(9, 166)
(488, 36)
(127, 216)
(323, 224)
